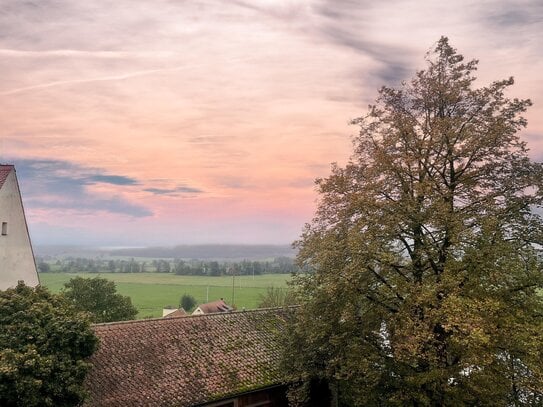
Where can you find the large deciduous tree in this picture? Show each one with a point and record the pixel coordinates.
(44, 344)
(276, 297)
(425, 252)
(99, 297)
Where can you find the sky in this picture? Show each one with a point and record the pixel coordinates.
(138, 123)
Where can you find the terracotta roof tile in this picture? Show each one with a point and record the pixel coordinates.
(215, 306)
(177, 313)
(185, 361)
(4, 172)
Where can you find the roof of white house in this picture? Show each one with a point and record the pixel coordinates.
(215, 306)
(4, 172)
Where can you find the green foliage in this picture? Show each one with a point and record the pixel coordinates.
(99, 297)
(44, 343)
(44, 267)
(425, 252)
(187, 302)
(276, 297)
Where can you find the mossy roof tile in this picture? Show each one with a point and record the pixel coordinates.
(186, 360)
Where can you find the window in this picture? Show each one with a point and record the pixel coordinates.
(4, 228)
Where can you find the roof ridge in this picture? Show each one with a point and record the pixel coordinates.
(212, 314)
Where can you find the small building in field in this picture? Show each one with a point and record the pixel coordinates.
(16, 256)
(212, 308)
(220, 360)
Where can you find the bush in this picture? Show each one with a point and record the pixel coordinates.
(44, 344)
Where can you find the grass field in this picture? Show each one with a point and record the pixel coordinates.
(150, 292)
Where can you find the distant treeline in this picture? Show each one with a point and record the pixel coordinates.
(279, 265)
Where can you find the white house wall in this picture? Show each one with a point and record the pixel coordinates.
(198, 311)
(16, 257)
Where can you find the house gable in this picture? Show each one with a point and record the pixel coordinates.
(16, 257)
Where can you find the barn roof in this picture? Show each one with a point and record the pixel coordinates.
(185, 361)
(4, 172)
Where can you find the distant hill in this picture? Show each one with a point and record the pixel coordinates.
(67, 251)
(202, 252)
(208, 252)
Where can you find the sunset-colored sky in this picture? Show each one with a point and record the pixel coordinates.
(136, 122)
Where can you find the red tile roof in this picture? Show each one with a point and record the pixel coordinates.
(4, 172)
(177, 313)
(215, 306)
(185, 361)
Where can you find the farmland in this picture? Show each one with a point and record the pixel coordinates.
(150, 292)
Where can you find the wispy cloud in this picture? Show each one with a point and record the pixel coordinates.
(75, 53)
(127, 75)
(174, 191)
(84, 205)
(509, 15)
(352, 24)
(58, 184)
(113, 179)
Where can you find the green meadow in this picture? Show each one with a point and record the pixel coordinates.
(150, 292)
